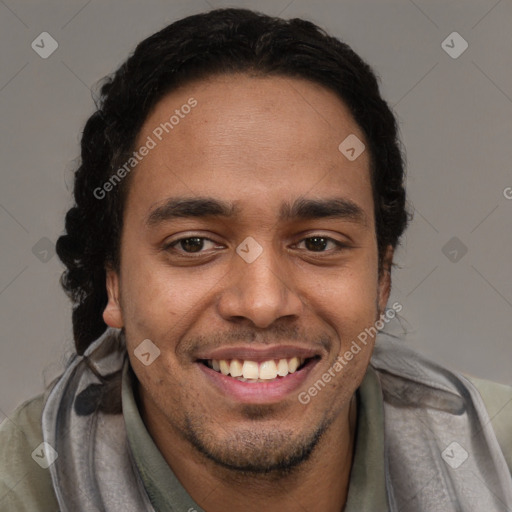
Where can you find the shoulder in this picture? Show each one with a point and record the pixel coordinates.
(392, 357)
(497, 399)
(24, 484)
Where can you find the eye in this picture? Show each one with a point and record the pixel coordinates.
(321, 243)
(192, 244)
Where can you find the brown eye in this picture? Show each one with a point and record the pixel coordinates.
(194, 244)
(321, 244)
(316, 243)
(199, 245)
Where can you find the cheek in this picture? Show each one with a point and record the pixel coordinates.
(347, 297)
(154, 298)
(157, 380)
(348, 303)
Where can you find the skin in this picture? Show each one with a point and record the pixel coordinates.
(256, 142)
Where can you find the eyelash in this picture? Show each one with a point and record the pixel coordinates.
(171, 247)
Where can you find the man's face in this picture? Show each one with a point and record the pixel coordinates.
(266, 151)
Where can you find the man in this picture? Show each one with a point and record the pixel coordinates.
(238, 203)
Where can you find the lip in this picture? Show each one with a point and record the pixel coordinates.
(258, 392)
(259, 354)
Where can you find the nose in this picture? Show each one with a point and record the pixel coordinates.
(260, 292)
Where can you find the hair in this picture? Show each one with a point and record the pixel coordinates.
(221, 41)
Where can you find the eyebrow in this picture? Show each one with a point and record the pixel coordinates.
(190, 207)
(339, 207)
(301, 209)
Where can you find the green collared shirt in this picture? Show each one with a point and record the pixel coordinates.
(26, 487)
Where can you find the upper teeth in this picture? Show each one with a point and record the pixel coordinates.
(266, 370)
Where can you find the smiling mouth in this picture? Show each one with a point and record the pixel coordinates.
(256, 372)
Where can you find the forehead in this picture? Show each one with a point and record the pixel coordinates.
(261, 139)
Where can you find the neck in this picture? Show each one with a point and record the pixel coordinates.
(319, 484)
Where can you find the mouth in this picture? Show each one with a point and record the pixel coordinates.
(266, 376)
(254, 372)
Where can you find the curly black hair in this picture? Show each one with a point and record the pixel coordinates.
(221, 41)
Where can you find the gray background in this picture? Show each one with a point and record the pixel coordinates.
(456, 122)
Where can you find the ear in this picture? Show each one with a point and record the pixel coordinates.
(385, 279)
(112, 314)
